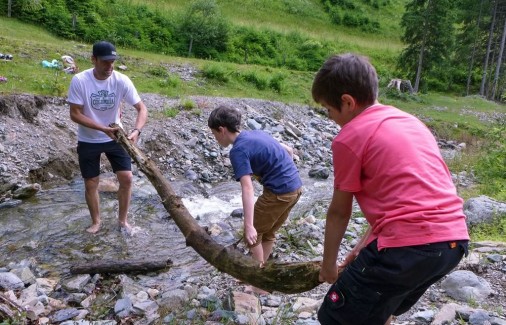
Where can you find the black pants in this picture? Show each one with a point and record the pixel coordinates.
(378, 284)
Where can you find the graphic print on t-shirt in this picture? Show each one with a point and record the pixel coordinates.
(102, 101)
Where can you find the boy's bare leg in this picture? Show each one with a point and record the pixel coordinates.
(258, 255)
(267, 250)
(124, 195)
(93, 201)
(389, 320)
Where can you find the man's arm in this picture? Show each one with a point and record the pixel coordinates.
(142, 116)
(77, 116)
(338, 216)
(248, 206)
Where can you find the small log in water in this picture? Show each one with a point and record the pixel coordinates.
(120, 266)
(285, 278)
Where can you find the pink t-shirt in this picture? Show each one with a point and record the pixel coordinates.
(390, 161)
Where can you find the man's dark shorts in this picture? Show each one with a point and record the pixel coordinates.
(377, 285)
(89, 157)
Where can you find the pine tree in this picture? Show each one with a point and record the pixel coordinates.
(429, 35)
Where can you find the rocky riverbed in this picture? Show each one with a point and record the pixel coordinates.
(37, 146)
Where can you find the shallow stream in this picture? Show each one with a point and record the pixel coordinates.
(50, 227)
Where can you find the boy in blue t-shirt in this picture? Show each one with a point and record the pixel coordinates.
(257, 154)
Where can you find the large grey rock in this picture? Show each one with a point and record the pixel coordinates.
(64, 314)
(171, 300)
(483, 209)
(25, 274)
(123, 307)
(77, 283)
(10, 281)
(466, 286)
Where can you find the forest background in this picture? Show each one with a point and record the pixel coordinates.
(451, 50)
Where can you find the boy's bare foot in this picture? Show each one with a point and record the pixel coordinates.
(93, 229)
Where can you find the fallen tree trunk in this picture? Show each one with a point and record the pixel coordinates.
(282, 277)
(120, 266)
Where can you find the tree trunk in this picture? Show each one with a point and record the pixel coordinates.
(9, 8)
(283, 277)
(120, 266)
(422, 49)
(471, 63)
(419, 69)
(190, 46)
(499, 62)
(487, 53)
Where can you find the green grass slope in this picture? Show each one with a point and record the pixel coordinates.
(309, 18)
(305, 16)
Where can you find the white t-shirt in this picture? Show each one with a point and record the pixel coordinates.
(101, 100)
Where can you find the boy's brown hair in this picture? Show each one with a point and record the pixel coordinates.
(225, 116)
(345, 74)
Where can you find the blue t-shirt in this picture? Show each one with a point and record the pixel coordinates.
(259, 154)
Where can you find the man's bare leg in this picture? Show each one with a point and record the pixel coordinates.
(124, 195)
(93, 201)
(389, 320)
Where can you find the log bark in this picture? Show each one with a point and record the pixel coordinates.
(9, 310)
(6, 312)
(283, 277)
(120, 266)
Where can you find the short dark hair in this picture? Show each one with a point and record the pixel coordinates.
(345, 74)
(225, 116)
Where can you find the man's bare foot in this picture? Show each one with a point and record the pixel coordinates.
(94, 228)
(258, 291)
(125, 225)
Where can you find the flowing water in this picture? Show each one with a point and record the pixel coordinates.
(50, 227)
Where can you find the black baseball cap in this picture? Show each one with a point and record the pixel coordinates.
(104, 51)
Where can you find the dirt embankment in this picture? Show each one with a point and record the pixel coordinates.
(38, 139)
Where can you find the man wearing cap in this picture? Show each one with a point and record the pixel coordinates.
(95, 96)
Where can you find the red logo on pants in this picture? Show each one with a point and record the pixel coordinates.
(334, 296)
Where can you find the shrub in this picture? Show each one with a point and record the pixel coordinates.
(170, 112)
(392, 93)
(277, 82)
(188, 104)
(261, 82)
(490, 168)
(170, 82)
(158, 71)
(216, 72)
(495, 230)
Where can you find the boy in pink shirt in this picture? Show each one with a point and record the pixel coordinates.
(390, 163)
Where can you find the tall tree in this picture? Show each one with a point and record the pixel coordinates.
(203, 29)
(475, 35)
(429, 35)
(488, 52)
(499, 62)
